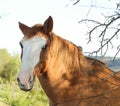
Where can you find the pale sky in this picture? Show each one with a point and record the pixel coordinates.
(65, 16)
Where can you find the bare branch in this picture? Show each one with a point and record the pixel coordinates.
(76, 2)
(118, 51)
(111, 22)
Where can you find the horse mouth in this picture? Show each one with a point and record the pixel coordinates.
(26, 87)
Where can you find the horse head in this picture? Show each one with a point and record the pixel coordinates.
(35, 40)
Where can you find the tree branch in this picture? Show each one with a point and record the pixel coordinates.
(76, 2)
(112, 23)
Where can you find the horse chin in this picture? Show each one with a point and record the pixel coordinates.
(27, 87)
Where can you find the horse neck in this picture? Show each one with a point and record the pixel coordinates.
(65, 53)
(63, 62)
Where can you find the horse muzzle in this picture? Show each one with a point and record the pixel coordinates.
(26, 87)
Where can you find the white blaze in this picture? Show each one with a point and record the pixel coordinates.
(31, 54)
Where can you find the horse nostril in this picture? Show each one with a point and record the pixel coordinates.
(18, 79)
(22, 85)
(29, 79)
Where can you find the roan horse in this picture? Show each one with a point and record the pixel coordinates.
(67, 76)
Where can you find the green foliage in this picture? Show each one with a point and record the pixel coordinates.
(9, 66)
(10, 94)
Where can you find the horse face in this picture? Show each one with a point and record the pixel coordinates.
(30, 57)
(31, 50)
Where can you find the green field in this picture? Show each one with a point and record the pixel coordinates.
(11, 95)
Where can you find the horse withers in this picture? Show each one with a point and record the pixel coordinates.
(66, 75)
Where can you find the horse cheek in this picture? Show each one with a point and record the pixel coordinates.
(41, 66)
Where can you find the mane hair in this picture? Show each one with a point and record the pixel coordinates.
(93, 59)
(68, 52)
(62, 56)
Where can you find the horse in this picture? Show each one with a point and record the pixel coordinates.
(67, 76)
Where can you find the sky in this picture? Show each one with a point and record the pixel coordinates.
(65, 16)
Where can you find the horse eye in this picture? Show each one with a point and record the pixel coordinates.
(45, 47)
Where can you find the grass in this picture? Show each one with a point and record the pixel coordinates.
(11, 95)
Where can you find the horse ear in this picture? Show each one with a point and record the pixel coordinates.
(48, 25)
(24, 28)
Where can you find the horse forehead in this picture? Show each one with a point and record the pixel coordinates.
(35, 38)
(37, 28)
